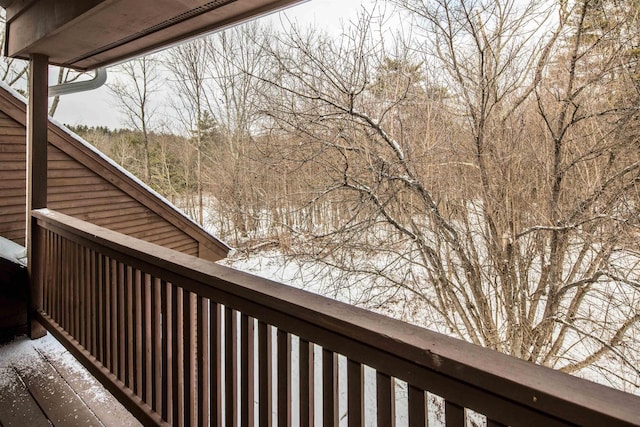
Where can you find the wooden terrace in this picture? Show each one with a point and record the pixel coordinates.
(42, 385)
(180, 340)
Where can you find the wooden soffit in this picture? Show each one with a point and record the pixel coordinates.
(87, 34)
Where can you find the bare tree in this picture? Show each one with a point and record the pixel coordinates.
(188, 65)
(234, 56)
(488, 179)
(136, 84)
(214, 105)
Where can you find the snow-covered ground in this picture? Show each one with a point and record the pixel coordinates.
(274, 265)
(358, 289)
(320, 279)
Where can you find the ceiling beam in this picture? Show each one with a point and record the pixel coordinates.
(87, 34)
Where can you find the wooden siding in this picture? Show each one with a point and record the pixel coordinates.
(98, 201)
(13, 179)
(83, 184)
(67, 194)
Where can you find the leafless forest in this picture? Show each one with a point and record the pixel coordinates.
(475, 160)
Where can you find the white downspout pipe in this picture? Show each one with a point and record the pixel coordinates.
(66, 88)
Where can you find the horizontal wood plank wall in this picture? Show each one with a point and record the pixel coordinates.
(103, 204)
(13, 179)
(76, 190)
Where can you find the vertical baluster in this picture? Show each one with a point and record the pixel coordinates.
(106, 307)
(122, 326)
(247, 390)
(106, 292)
(79, 260)
(158, 348)
(80, 285)
(417, 407)
(73, 299)
(67, 286)
(64, 286)
(77, 273)
(146, 340)
(51, 281)
(102, 317)
(231, 367)
(167, 350)
(203, 360)
(86, 296)
(149, 329)
(113, 304)
(88, 306)
(145, 373)
(354, 393)
(454, 415)
(284, 378)
(58, 282)
(73, 292)
(66, 324)
(176, 358)
(188, 355)
(71, 275)
(51, 271)
(139, 328)
(130, 337)
(265, 374)
(386, 399)
(215, 364)
(71, 262)
(51, 274)
(95, 291)
(306, 382)
(80, 294)
(153, 351)
(46, 271)
(329, 388)
(61, 283)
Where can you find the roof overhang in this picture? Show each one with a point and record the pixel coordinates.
(87, 34)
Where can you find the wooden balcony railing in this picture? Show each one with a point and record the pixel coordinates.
(186, 342)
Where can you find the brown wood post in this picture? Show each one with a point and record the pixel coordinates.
(37, 121)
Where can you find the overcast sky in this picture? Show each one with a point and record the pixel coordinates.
(96, 108)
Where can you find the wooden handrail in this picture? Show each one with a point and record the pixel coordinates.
(507, 390)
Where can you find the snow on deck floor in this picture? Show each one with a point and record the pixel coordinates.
(51, 363)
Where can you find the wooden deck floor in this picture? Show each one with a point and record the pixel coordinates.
(41, 384)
